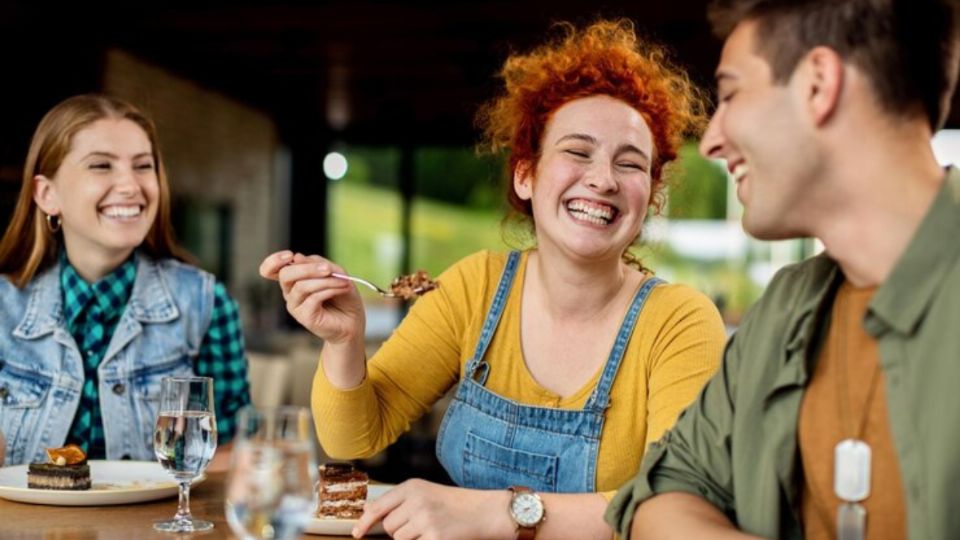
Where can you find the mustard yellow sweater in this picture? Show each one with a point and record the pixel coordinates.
(675, 347)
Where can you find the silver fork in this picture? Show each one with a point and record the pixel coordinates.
(381, 292)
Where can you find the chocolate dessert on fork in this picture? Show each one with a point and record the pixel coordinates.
(343, 491)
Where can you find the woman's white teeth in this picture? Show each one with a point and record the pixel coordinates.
(740, 171)
(600, 215)
(121, 211)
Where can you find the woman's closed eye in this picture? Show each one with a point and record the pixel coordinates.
(632, 165)
(101, 165)
(148, 166)
(582, 154)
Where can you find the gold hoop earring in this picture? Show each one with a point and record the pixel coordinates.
(54, 223)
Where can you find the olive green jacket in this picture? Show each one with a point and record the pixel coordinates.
(736, 446)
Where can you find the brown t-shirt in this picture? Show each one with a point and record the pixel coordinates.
(824, 422)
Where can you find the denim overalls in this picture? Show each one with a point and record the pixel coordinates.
(41, 370)
(490, 442)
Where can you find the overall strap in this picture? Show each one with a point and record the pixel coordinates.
(600, 398)
(493, 319)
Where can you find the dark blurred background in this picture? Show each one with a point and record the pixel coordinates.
(292, 77)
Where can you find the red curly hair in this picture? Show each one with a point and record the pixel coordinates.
(603, 58)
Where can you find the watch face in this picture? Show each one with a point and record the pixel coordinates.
(527, 509)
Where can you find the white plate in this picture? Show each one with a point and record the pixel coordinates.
(344, 526)
(113, 482)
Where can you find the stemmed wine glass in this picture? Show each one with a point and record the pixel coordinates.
(271, 490)
(184, 441)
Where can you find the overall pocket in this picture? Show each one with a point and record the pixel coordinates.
(489, 465)
(23, 393)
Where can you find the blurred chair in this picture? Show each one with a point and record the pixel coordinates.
(303, 365)
(304, 357)
(269, 379)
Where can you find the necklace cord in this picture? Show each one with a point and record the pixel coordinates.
(843, 385)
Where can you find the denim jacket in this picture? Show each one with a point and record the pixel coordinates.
(41, 369)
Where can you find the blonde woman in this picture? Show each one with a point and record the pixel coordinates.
(97, 303)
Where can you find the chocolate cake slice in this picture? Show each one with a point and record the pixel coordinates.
(65, 477)
(343, 491)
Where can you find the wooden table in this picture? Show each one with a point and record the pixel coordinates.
(20, 521)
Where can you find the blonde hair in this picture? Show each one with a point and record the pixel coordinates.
(28, 245)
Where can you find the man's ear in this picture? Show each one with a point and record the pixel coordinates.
(523, 180)
(45, 195)
(824, 78)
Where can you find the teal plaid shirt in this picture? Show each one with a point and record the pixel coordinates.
(92, 313)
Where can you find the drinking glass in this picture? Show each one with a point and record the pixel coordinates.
(271, 491)
(184, 441)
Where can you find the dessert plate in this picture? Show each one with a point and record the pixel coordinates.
(113, 482)
(343, 527)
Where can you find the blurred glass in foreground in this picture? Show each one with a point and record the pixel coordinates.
(271, 491)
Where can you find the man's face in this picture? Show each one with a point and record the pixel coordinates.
(760, 130)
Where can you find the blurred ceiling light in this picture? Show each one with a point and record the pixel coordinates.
(335, 165)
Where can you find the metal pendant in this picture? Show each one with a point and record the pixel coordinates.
(851, 522)
(851, 470)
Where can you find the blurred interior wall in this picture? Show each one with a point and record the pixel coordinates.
(219, 153)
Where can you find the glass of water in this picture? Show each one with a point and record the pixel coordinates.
(184, 441)
(271, 490)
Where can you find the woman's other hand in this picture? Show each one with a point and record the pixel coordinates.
(421, 509)
(327, 306)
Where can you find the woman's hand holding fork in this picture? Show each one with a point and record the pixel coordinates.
(327, 306)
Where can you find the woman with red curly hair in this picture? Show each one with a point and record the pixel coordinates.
(570, 357)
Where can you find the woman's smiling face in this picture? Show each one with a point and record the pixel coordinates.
(106, 190)
(590, 189)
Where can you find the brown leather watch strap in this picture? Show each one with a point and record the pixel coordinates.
(526, 533)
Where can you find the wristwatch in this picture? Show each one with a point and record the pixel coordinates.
(526, 509)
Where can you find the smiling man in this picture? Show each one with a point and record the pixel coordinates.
(834, 414)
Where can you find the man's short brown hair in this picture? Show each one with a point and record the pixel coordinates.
(907, 48)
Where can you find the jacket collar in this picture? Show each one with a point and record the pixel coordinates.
(44, 311)
(150, 300)
(821, 277)
(902, 301)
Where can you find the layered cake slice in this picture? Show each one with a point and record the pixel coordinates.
(66, 470)
(343, 491)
